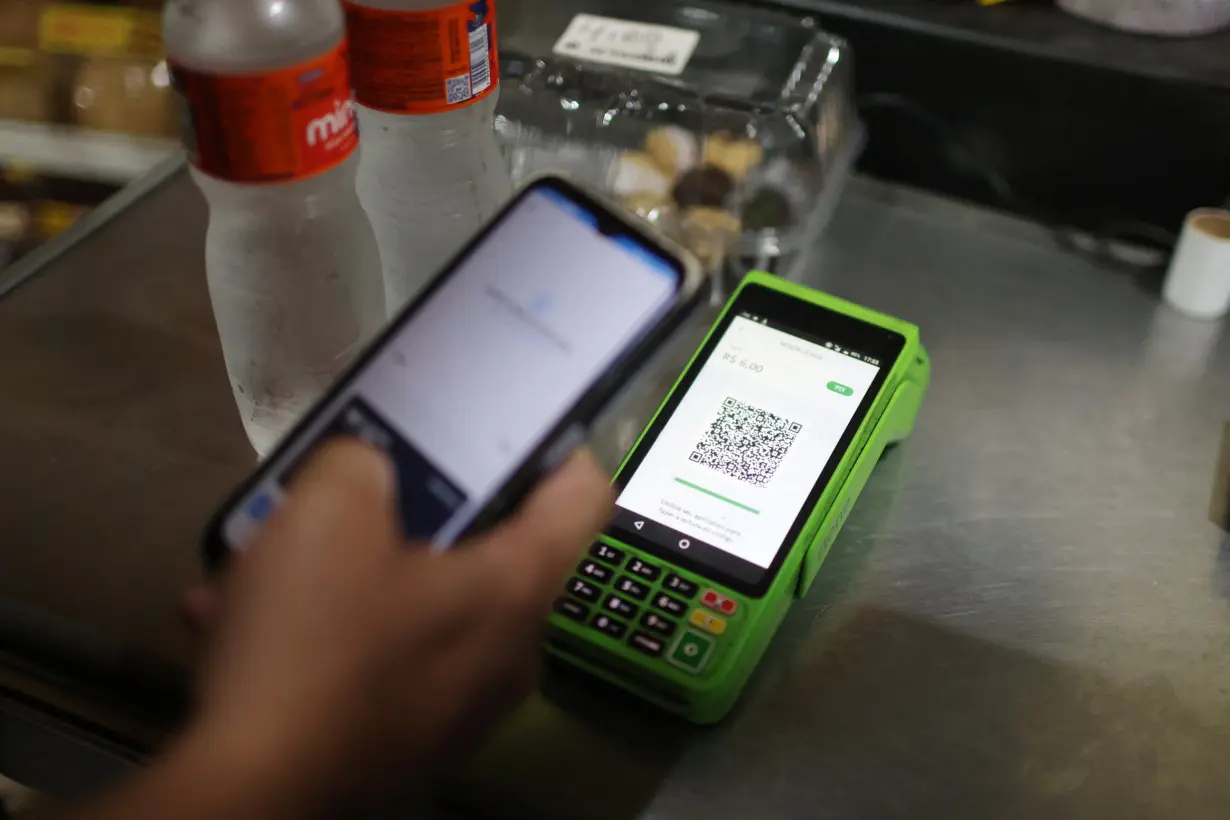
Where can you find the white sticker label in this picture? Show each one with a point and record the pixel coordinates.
(646, 47)
(480, 60)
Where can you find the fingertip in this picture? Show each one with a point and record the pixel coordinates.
(580, 479)
(343, 493)
(558, 520)
(347, 462)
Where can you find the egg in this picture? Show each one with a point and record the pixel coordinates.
(707, 186)
(708, 233)
(735, 156)
(675, 150)
(768, 208)
(637, 173)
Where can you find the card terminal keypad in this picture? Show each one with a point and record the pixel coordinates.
(648, 608)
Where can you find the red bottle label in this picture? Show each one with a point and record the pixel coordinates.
(275, 126)
(423, 62)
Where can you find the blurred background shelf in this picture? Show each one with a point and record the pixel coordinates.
(86, 107)
(81, 153)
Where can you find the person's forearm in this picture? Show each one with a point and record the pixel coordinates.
(204, 778)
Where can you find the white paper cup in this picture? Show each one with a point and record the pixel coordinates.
(1198, 282)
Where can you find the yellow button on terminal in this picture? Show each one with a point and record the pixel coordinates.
(708, 622)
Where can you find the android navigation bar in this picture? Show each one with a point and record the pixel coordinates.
(643, 532)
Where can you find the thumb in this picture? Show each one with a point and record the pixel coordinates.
(343, 495)
(536, 549)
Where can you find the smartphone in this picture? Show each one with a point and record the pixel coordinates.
(734, 492)
(490, 378)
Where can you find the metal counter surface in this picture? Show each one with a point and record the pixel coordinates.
(1027, 613)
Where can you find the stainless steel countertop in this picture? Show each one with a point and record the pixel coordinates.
(1027, 613)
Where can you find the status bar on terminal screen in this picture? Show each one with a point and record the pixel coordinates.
(827, 344)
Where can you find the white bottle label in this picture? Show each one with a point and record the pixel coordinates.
(480, 60)
(643, 46)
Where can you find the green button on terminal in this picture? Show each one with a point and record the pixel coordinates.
(841, 389)
(691, 651)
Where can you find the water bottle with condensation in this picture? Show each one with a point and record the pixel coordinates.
(292, 263)
(426, 82)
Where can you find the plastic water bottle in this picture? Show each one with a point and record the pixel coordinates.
(426, 81)
(293, 266)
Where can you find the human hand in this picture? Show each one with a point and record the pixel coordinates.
(343, 661)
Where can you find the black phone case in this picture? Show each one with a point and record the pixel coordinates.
(556, 446)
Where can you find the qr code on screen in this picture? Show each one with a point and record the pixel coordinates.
(745, 442)
(457, 89)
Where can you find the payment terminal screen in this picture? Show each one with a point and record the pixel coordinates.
(476, 378)
(731, 469)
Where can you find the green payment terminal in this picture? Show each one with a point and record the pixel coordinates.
(733, 494)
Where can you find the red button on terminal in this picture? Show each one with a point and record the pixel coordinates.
(721, 603)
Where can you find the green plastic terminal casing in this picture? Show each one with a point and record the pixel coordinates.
(707, 697)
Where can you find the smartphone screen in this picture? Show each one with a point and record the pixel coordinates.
(483, 369)
(725, 478)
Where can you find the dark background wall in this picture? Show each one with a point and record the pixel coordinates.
(1081, 125)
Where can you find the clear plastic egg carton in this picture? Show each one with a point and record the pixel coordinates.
(732, 128)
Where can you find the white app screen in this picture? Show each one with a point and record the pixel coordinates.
(736, 461)
(487, 367)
